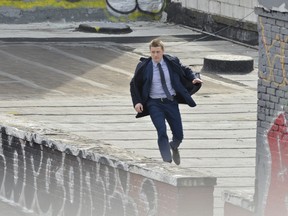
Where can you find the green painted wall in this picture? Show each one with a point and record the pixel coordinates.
(21, 4)
(25, 11)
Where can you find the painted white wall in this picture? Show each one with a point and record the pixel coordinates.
(237, 9)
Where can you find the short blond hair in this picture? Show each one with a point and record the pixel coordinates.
(156, 43)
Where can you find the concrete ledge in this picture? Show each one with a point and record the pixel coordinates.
(96, 151)
(25, 16)
(228, 64)
(271, 13)
(239, 203)
(69, 175)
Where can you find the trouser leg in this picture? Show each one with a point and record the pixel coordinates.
(157, 115)
(174, 120)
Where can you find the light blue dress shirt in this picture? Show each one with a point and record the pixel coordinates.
(156, 90)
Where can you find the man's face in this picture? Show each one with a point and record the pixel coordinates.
(156, 54)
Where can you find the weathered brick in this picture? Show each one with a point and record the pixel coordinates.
(271, 91)
(270, 105)
(271, 21)
(266, 83)
(275, 29)
(261, 116)
(280, 93)
(283, 101)
(268, 111)
(262, 109)
(265, 97)
(279, 79)
(265, 125)
(277, 64)
(278, 107)
(270, 119)
(284, 88)
(280, 23)
(262, 89)
(272, 112)
(274, 99)
(267, 27)
(261, 104)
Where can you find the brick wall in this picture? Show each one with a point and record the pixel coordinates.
(272, 128)
(271, 184)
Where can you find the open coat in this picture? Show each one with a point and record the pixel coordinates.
(181, 80)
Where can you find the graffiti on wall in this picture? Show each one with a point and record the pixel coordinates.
(43, 181)
(46, 182)
(273, 57)
(67, 4)
(144, 6)
(119, 7)
(277, 198)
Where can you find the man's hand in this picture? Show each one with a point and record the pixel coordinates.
(139, 108)
(197, 80)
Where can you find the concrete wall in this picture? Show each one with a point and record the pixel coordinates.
(25, 11)
(233, 19)
(52, 177)
(235, 9)
(214, 16)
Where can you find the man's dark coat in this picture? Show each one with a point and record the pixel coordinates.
(181, 80)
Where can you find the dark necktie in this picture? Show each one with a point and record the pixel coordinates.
(163, 82)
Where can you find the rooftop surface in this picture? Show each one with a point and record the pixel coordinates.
(78, 82)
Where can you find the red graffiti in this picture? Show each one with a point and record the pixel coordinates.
(278, 189)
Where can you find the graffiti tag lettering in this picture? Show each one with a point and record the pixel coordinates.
(278, 189)
(48, 182)
(274, 49)
(45, 181)
(129, 6)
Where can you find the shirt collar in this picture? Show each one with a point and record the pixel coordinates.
(155, 64)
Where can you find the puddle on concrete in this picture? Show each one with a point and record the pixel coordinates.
(35, 180)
